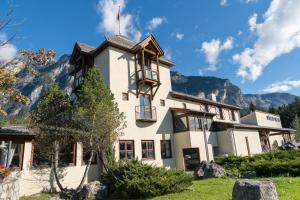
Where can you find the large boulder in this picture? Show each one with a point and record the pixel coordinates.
(209, 170)
(94, 189)
(248, 189)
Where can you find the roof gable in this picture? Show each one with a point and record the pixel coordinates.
(150, 43)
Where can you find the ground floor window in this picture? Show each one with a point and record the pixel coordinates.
(148, 149)
(165, 148)
(67, 154)
(11, 154)
(126, 149)
(41, 156)
(86, 155)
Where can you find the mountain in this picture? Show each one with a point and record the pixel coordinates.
(33, 86)
(58, 71)
(226, 92)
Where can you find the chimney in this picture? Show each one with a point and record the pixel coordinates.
(212, 97)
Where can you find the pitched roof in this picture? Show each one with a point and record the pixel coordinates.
(122, 41)
(118, 41)
(85, 47)
(192, 98)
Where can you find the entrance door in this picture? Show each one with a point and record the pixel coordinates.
(191, 158)
(145, 107)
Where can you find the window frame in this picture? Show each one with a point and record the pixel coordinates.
(126, 150)
(164, 142)
(74, 155)
(147, 149)
(125, 96)
(162, 102)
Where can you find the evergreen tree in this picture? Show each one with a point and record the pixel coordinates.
(252, 107)
(50, 120)
(296, 127)
(98, 115)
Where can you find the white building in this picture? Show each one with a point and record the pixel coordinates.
(164, 127)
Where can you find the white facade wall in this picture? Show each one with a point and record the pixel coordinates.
(262, 119)
(122, 79)
(226, 143)
(240, 142)
(33, 181)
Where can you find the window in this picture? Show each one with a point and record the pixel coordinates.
(192, 123)
(165, 148)
(198, 123)
(125, 96)
(162, 102)
(148, 149)
(86, 153)
(184, 105)
(66, 154)
(78, 78)
(233, 115)
(126, 149)
(219, 113)
(180, 123)
(41, 155)
(11, 154)
(17, 157)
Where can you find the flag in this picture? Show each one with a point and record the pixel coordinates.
(119, 21)
(118, 16)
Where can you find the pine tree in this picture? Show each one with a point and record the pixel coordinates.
(98, 115)
(252, 107)
(296, 127)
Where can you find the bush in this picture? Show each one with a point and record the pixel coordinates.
(274, 163)
(132, 179)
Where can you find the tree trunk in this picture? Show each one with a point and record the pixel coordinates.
(54, 165)
(86, 171)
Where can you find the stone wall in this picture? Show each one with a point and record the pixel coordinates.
(9, 189)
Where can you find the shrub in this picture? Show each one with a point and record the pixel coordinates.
(274, 163)
(132, 179)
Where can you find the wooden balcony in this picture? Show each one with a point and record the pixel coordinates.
(148, 76)
(145, 113)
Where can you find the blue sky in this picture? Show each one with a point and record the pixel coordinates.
(254, 43)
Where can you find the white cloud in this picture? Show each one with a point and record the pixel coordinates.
(278, 34)
(212, 50)
(223, 2)
(252, 22)
(168, 54)
(108, 10)
(250, 1)
(282, 86)
(179, 36)
(240, 33)
(155, 22)
(7, 51)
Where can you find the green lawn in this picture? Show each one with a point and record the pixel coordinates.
(216, 189)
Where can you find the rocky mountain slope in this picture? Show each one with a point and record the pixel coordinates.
(58, 71)
(226, 92)
(33, 86)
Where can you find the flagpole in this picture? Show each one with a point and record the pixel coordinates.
(119, 19)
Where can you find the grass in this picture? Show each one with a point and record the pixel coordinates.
(216, 189)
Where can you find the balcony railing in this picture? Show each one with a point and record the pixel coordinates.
(145, 113)
(149, 74)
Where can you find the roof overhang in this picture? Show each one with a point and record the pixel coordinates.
(191, 111)
(179, 95)
(16, 134)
